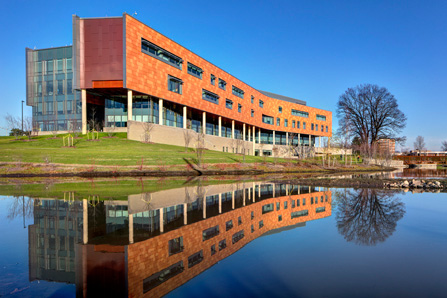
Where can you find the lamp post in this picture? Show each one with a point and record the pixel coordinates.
(22, 115)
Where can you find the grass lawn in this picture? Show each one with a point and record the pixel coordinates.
(107, 151)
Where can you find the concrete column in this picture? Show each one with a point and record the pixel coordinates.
(220, 126)
(220, 203)
(130, 228)
(232, 199)
(85, 221)
(185, 117)
(259, 136)
(129, 105)
(204, 122)
(319, 142)
(160, 111)
(204, 206)
(299, 190)
(243, 131)
(162, 227)
(287, 189)
(259, 191)
(254, 141)
(84, 110)
(249, 134)
(232, 129)
(254, 192)
(185, 214)
(273, 138)
(243, 196)
(287, 138)
(274, 189)
(299, 139)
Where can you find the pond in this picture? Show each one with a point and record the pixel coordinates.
(242, 239)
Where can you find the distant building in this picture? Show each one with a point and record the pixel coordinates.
(386, 146)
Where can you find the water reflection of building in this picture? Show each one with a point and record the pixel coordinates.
(155, 242)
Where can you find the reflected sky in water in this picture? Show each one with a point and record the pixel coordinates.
(296, 241)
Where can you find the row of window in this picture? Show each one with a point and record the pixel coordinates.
(270, 120)
(175, 84)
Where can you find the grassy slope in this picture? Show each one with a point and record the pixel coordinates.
(107, 151)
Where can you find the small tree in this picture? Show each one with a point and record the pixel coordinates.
(188, 135)
(444, 146)
(200, 148)
(419, 144)
(13, 123)
(147, 129)
(28, 127)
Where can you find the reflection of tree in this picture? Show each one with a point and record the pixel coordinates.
(368, 216)
(21, 207)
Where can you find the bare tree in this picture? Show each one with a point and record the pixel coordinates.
(13, 124)
(370, 112)
(419, 144)
(444, 146)
(200, 148)
(28, 127)
(188, 135)
(147, 129)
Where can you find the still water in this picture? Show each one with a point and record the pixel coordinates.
(248, 239)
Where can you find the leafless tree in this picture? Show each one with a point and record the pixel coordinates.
(92, 123)
(200, 148)
(370, 112)
(147, 130)
(110, 129)
(240, 147)
(419, 144)
(13, 124)
(28, 127)
(188, 135)
(444, 146)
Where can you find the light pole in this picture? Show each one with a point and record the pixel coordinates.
(22, 115)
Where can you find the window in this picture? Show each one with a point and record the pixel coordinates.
(175, 245)
(195, 70)
(312, 200)
(229, 225)
(304, 125)
(285, 204)
(239, 107)
(304, 201)
(267, 208)
(311, 126)
(210, 96)
(162, 276)
(321, 117)
(280, 109)
(195, 259)
(69, 87)
(298, 202)
(175, 84)
(252, 99)
(322, 128)
(279, 217)
(252, 228)
(60, 87)
(293, 203)
(160, 54)
(238, 92)
(252, 214)
(261, 103)
(238, 236)
(222, 244)
(222, 84)
(298, 124)
(320, 209)
(278, 205)
(213, 79)
(267, 119)
(239, 221)
(252, 113)
(326, 129)
(278, 122)
(213, 249)
(286, 122)
(293, 123)
(300, 113)
(261, 224)
(229, 104)
(210, 233)
(316, 127)
(299, 213)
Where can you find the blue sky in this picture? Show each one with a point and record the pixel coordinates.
(311, 50)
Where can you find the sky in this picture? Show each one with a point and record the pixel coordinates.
(310, 50)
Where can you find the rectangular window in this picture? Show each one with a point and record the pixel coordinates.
(279, 217)
(49, 87)
(238, 92)
(298, 124)
(213, 79)
(320, 209)
(280, 109)
(239, 108)
(175, 245)
(267, 119)
(326, 129)
(321, 117)
(229, 225)
(69, 87)
(160, 54)
(286, 122)
(252, 113)
(304, 125)
(252, 214)
(293, 203)
(195, 259)
(229, 104)
(252, 99)
(195, 70)
(261, 103)
(267, 208)
(222, 84)
(213, 249)
(300, 113)
(293, 123)
(285, 204)
(210, 96)
(238, 236)
(261, 224)
(278, 206)
(311, 126)
(239, 221)
(299, 213)
(60, 65)
(69, 64)
(316, 127)
(304, 201)
(175, 84)
(210, 233)
(298, 202)
(252, 228)
(322, 128)
(162, 276)
(278, 122)
(222, 244)
(60, 87)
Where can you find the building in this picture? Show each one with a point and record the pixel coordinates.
(124, 74)
(386, 146)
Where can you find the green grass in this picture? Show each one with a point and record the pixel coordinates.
(107, 151)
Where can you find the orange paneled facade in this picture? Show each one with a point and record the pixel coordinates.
(100, 43)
